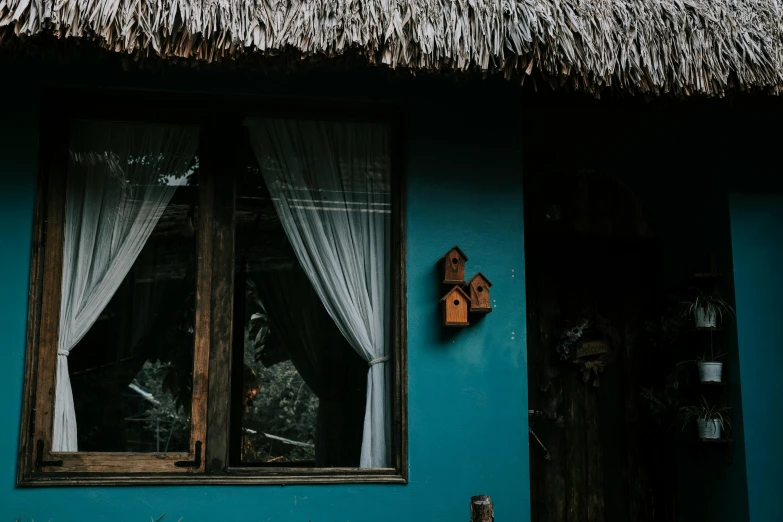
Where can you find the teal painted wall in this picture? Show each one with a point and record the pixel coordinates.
(467, 390)
(757, 240)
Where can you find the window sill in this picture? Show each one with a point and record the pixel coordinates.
(234, 476)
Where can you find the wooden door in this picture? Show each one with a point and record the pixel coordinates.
(588, 249)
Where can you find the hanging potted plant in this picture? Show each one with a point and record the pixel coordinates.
(710, 369)
(711, 420)
(708, 310)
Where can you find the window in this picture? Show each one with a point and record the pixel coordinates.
(217, 295)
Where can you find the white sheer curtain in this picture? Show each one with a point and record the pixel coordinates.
(121, 177)
(330, 183)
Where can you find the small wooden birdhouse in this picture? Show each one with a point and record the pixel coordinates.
(479, 294)
(454, 266)
(455, 306)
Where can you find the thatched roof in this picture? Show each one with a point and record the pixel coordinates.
(642, 46)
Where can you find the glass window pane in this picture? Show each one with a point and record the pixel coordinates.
(278, 412)
(304, 385)
(128, 292)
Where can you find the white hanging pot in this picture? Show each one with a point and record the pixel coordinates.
(708, 428)
(710, 371)
(705, 317)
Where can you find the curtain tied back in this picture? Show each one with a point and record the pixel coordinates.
(121, 177)
(330, 184)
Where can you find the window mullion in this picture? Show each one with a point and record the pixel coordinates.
(218, 176)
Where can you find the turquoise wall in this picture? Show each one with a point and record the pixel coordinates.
(757, 241)
(467, 389)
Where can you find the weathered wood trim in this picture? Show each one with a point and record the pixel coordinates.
(399, 300)
(218, 176)
(37, 253)
(201, 348)
(184, 479)
(117, 462)
(49, 323)
(283, 471)
(43, 334)
(237, 406)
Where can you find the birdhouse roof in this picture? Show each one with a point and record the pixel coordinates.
(482, 276)
(456, 288)
(458, 249)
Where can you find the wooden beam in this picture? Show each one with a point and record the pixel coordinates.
(201, 348)
(217, 175)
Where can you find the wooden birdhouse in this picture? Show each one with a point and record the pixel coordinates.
(455, 305)
(454, 266)
(479, 294)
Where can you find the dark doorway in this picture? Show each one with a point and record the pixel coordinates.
(591, 259)
(625, 204)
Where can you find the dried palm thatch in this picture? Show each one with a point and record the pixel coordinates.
(682, 47)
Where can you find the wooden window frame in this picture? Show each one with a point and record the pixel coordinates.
(207, 461)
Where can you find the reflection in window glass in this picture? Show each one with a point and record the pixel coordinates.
(126, 336)
(329, 183)
(302, 398)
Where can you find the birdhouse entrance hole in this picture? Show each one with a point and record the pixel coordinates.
(453, 266)
(455, 307)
